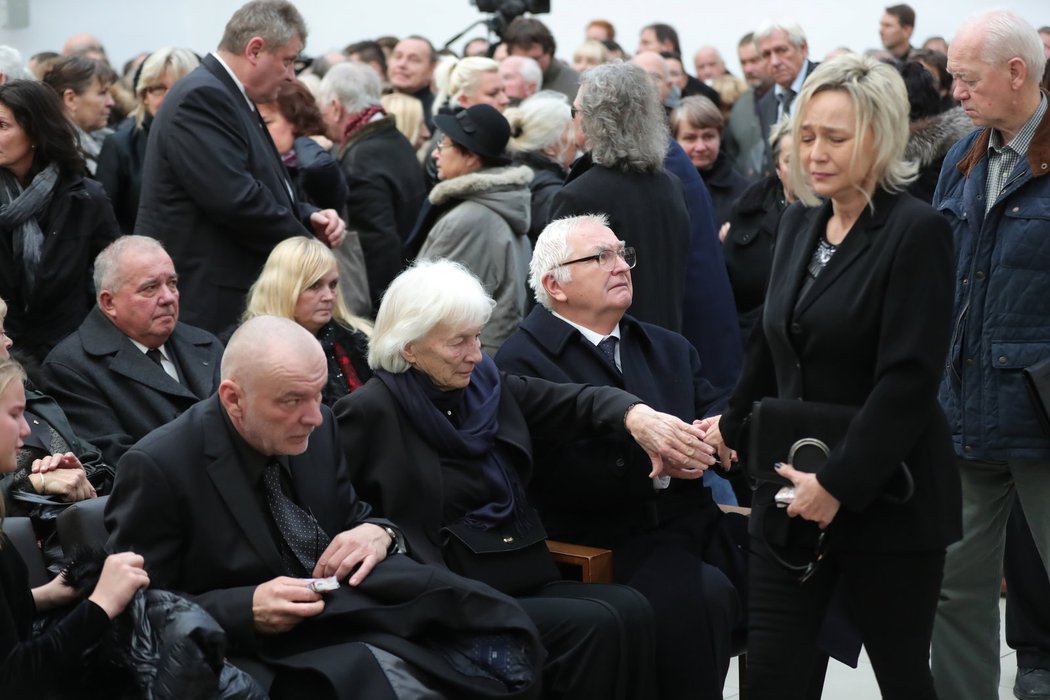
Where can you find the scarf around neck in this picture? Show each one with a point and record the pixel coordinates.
(473, 441)
(19, 210)
(359, 120)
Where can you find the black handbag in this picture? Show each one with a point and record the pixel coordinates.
(803, 434)
(512, 559)
(1037, 381)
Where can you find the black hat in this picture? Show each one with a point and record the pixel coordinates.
(480, 129)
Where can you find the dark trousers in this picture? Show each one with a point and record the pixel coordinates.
(1027, 594)
(686, 570)
(890, 598)
(599, 640)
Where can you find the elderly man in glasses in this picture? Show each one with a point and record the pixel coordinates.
(670, 540)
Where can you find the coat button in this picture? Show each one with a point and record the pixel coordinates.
(1017, 209)
(619, 461)
(979, 275)
(1043, 166)
(967, 448)
(969, 362)
(1002, 359)
(796, 328)
(965, 281)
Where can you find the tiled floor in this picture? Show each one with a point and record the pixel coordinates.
(843, 682)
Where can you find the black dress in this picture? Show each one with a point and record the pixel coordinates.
(30, 666)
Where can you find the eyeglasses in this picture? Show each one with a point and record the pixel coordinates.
(607, 259)
(443, 146)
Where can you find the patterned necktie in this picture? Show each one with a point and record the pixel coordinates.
(608, 348)
(786, 98)
(155, 355)
(300, 531)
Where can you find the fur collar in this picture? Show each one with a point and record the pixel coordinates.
(932, 137)
(481, 182)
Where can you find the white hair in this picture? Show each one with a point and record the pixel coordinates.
(353, 85)
(795, 36)
(528, 68)
(1004, 36)
(538, 122)
(109, 272)
(12, 65)
(551, 250)
(425, 295)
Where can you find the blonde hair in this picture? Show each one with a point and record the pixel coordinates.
(408, 114)
(173, 61)
(295, 264)
(10, 371)
(729, 89)
(880, 102)
(458, 78)
(593, 51)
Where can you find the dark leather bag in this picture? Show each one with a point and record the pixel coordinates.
(513, 560)
(803, 434)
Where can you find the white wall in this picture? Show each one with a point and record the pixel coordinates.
(129, 26)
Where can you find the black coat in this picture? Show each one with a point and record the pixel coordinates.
(77, 225)
(725, 185)
(215, 192)
(113, 394)
(547, 181)
(748, 247)
(596, 489)
(386, 193)
(872, 332)
(120, 169)
(647, 210)
(183, 500)
(318, 179)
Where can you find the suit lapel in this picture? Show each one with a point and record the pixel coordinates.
(227, 473)
(557, 336)
(194, 364)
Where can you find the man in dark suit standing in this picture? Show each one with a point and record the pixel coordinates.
(782, 44)
(383, 174)
(670, 540)
(131, 366)
(214, 190)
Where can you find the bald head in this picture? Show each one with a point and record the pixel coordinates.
(264, 343)
(655, 66)
(82, 43)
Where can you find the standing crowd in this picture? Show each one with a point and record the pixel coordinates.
(330, 351)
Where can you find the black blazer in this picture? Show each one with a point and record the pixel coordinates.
(596, 489)
(113, 394)
(871, 332)
(120, 169)
(215, 192)
(400, 474)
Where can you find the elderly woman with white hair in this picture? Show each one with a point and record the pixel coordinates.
(440, 442)
(853, 337)
(542, 136)
(124, 151)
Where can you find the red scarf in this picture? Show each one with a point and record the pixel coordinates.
(359, 120)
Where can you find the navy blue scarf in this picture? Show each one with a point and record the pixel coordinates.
(473, 442)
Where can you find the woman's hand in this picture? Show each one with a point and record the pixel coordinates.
(63, 476)
(812, 501)
(723, 232)
(122, 575)
(53, 594)
(713, 437)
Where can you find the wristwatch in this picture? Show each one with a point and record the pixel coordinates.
(397, 541)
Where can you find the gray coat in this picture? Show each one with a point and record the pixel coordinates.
(113, 394)
(486, 232)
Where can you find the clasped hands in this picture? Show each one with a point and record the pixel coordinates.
(282, 603)
(676, 448)
(61, 475)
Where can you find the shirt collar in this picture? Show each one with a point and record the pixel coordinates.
(144, 349)
(591, 336)
(1022, 140)
(236, 80)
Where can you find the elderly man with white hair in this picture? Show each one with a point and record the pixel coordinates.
(521, 76)
(994, 189)
(383, 175)
(669, 539)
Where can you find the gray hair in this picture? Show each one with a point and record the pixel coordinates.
(795, 36)
(551, 250)
(275, 21)
(1005, 36)
(880, 102)
(538, 122)
(698, 112)
(12, 65)
(353, 85)
(428, 293)
(623, 118)
(528, 68)
(108, 274)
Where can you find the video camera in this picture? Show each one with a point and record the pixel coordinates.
(504, 11)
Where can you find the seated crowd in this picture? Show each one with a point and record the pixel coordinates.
(438, 310)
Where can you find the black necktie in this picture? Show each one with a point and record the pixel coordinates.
(608, 348)
(300, 531)
(156, 355)
(786, 98)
